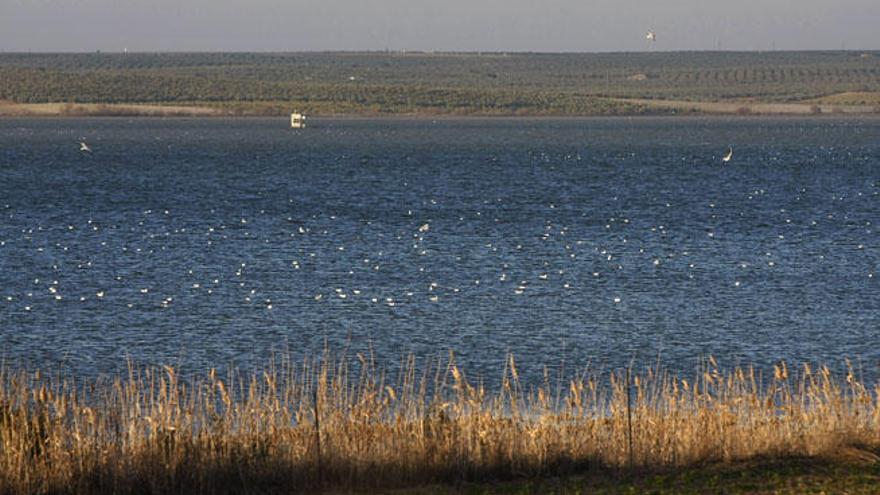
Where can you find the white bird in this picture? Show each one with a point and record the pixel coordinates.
(84, 147)
(651, 36)
(424, 228)
(728, 156)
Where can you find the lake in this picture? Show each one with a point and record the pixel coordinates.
(214, 243)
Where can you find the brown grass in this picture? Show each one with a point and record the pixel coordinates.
(12, 109)
(318, 424)
(808, 107)
(850, 98)
(843, 104)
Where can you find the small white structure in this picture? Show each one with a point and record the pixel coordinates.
(297, 120)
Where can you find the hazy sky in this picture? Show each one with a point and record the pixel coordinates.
(465, 25)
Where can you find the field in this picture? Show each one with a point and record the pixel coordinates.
(452, 83)
(339, 424)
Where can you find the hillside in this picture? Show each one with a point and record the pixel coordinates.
(445, 83)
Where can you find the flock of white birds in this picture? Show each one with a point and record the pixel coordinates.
(404, 266)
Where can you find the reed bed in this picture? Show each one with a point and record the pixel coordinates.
(341, 423)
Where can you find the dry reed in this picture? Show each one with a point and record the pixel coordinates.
(321, 424)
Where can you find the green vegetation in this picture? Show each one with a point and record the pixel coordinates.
(790, 476)
(425, 83)
(342, 424)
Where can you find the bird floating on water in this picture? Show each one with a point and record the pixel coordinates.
(83, 147)
(727, 156)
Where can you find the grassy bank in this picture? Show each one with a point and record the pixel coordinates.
(588, 106)
(12, 109)
(763, 476)
(607, 107)
(843, 475)
(320, 424)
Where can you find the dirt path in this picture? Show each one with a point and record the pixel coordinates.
(749, 108)
(12, 109)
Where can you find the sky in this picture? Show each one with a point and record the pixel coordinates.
(426, 25)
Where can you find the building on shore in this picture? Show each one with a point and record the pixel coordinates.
(297, 120)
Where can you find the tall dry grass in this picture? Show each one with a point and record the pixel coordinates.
(319, 423)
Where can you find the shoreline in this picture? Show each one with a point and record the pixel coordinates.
(642, 108)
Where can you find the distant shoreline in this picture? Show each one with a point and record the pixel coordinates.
(377, 85)
(640, 107)
(13, 109)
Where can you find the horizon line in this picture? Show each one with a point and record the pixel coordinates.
(429, 52)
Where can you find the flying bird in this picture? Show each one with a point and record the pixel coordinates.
(84, 147)
(728, 156)
(651, 36)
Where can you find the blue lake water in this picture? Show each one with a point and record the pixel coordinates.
(216, 242)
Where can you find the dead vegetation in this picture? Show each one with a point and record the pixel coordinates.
(339, 423)
(11, 109)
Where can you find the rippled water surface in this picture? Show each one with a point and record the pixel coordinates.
(214, 242)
